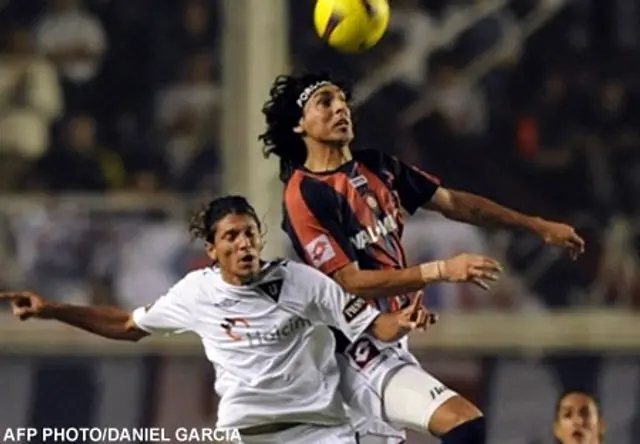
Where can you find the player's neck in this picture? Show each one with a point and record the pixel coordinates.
(326, 158)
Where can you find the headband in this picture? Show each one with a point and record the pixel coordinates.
(306, 93)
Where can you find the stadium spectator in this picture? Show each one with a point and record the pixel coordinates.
(196, 31)
(80, 163)
(30, 100)
(188, 117)
(461, 104)
(75, 41)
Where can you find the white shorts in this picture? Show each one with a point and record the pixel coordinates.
(388, 391)
(306, 434)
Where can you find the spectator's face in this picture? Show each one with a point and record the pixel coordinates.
(236, 247)
(612, 96)
(82, 133)
(327, 118)
(578, 420)
(196, 17)
(199, 69)
(20, 42)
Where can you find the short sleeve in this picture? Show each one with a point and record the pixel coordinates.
(415, 187)
(339, 309)
(170, 313)
(312, 224)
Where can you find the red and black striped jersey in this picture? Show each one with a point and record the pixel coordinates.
(355, 214)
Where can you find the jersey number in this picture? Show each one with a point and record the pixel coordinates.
(362, 352)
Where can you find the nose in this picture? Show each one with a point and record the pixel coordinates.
(340, 108)
(579, 421)
(244, 241)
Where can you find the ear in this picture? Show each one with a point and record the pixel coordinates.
(556, 432)
(261, 242)
(211, 251)
(298, 129)
(602, 426)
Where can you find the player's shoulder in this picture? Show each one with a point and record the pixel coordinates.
(303, 275)
(375, 160)
(303, 189)
(191, 283)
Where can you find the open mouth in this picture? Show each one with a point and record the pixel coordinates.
(578, 435)
(247, 259)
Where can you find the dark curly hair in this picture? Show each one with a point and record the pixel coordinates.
(203, 223)
(282, 114)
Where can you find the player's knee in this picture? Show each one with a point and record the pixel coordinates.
(473, 431)
(453, 413)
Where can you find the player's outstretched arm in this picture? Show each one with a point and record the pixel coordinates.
(472, 268)
(477, 210)
(109, 322)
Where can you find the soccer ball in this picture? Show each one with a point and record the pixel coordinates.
(351, 25)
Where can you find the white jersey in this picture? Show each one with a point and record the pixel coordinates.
(268, 341)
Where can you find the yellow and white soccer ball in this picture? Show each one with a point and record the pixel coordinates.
(351, 25)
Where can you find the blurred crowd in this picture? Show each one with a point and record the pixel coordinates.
(530, 102)
(120, 94)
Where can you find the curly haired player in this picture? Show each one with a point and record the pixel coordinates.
(344, 212)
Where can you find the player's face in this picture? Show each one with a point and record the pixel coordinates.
(237, 247)
(578, 420)
(327, 118)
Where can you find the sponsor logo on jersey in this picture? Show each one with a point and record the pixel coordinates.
(320, 250)
(280, 333)
(234, 327)
(362, 352)
(353, 308)
(372, 234)
(229, 326)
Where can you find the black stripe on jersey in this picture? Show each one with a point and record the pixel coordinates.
(327, 205)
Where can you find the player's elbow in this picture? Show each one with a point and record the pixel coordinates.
(350, 279)
(130, 332)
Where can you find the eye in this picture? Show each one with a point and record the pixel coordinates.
(230, 235)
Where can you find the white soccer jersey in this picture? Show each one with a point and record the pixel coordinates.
(268, 341)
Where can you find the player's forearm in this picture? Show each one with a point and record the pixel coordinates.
(371, 284)
(477, 210)
(386, 328)
(109, 322)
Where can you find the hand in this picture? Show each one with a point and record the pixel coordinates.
(416, 316)
(25, 304)
(561, 235)
(473, 268)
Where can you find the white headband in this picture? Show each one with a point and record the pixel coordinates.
(306, 93)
